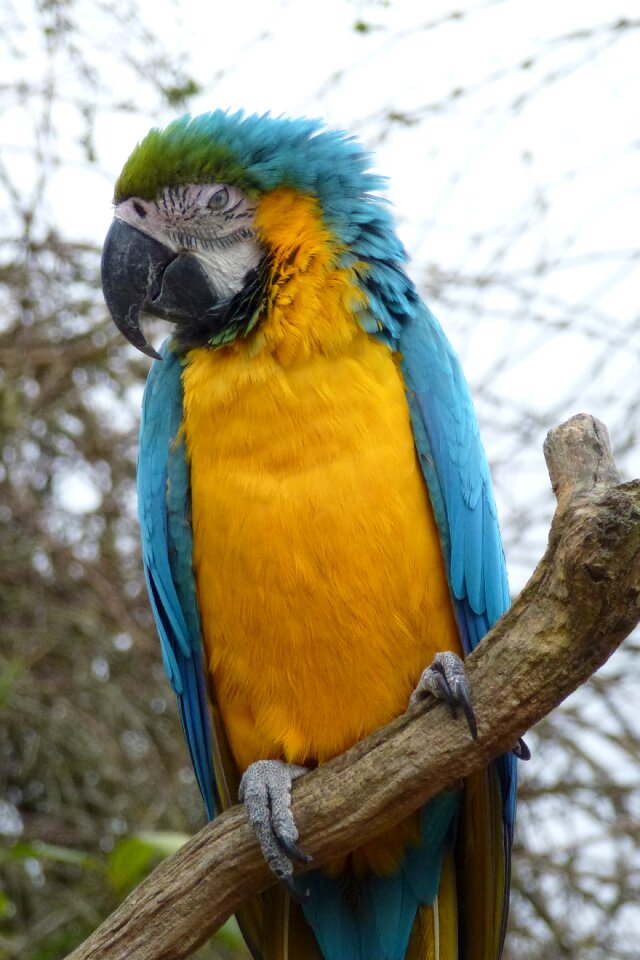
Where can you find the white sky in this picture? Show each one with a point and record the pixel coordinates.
(467, 202)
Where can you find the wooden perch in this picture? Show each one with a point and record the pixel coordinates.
(581, 602)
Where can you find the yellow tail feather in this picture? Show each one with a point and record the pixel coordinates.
(435, 929)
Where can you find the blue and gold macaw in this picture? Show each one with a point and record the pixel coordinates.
(317, 518)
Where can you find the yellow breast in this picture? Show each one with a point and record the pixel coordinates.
(319, 574)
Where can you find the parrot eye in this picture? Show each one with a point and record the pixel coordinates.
(219, 200)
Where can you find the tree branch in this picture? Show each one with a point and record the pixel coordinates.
(581, 602)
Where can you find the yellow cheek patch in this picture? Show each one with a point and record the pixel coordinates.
(313, 302)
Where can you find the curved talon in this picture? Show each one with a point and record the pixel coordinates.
(521, 750)
(446, 680)
(463, 697)
(294, 851)
(447, 693)
(265, 790)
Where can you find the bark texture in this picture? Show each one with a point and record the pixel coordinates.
(582, 600)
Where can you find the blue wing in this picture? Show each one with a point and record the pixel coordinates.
(457, 475)
(387, 918)
(167, 549)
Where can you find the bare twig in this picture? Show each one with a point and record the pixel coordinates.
(580, 603)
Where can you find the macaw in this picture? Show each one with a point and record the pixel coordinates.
(319, 532)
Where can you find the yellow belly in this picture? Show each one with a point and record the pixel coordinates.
(319, 574)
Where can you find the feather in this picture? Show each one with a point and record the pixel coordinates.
(166, 536)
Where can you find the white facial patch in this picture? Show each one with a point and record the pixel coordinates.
(212, 222)
(228, 267)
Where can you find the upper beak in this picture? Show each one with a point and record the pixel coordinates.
(139, 273)
(132, 268)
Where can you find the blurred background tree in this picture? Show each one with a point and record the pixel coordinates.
(510, 164)
(88, 728)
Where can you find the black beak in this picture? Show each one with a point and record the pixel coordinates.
(132, 268)
(141, 275)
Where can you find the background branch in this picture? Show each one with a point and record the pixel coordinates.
(580, 603)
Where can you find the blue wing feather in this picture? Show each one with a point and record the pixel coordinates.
(456, 472)
(167, 549)
(376, 919)
(447, 435)
(447, 438)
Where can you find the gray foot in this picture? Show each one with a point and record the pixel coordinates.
(446, 680)
(265, 790)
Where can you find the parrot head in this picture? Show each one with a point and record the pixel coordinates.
(208, 223)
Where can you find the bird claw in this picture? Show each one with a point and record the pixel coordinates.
(521, 750)
(265, 790)
(446, 679)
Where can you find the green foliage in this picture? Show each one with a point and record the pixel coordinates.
(134, 856)
(178, 95)
(47, 852)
